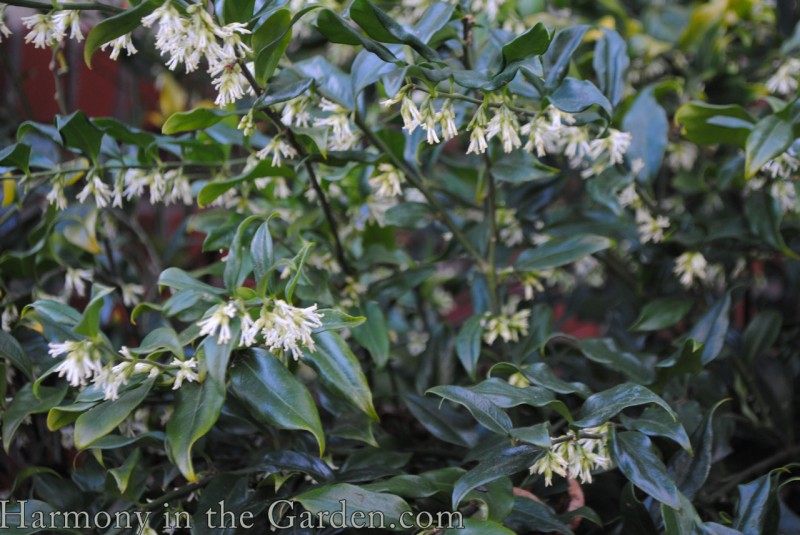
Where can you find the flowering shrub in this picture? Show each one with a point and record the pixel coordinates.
(528, 265)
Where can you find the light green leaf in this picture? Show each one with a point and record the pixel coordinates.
(105, 417)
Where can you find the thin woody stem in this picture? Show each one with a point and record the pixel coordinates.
(312, 176)
(85, 6)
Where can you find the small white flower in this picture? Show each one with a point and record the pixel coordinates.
(412, 117)
(615, 145)
(295, 112)
(9, 317)
(97, 188)
(782, 166)
(279, 149)
(186, 371)
(650, 228)
(443, 301)
(629, 197)
(784, 81)
(73, 281)
(387, 182)
(68, 19)
(446, 117)
(219, 320)
(417, 342)
(504, 124)
(537, 130)
(681, 155)
(510, 229)
(551, 462)
(532, 283)
(82, 360)
(131, 294)
(229, 82)
(338, 122)
(119, 44)
(691, 266)
(43, 33)
(785, 193)
(509, 325)
(4, 30)
(288, 328)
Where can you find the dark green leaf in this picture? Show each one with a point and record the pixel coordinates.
(533, 42)
(383, 27)
(11, 350)
(712, 329)
(337, 30)
(603, 406)
(647, 123)
(690, 468)
(274, 396)
(656, 422)
(441, 421)
(17, 155)
(760, 334)
(237, 10)
(611, 63)
(261, 251)
(509, 462)
(25, 403)
(78, 133)
(529, 515)
(90, 320)
(197, 409)
(709, 124)
(558, 252)
(281, 91)
(662, 313)
(214, 189)
(757, 511)
(374, 334)
(606, 352)
(113, 27)
(556, 59)
(487, 413)
(328, 499)
(105, 417)
(468, 344)
(270, 42)
(770, 137)
(575, 96)
(340, 370)
(632, 453)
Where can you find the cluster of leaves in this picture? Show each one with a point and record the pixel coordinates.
(505, 304)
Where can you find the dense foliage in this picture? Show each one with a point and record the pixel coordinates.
(527, 261)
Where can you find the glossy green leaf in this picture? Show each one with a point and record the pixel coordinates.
(601, 407)
(281, 91)
(237, 10)
(636, 520)
(17, 155)
(712, 328)
(116, 26)
(441, 421)
(662, 313)
(770, 137)
(690, 468)
(709, 124)
(239, 264)
(214, 189)
(468, 344)
(337, 30)
(487, 413)
(647, 123)
(506, 396)
(611, 63)
(270, 42)
(656, 422)
(533, 42)
(558, 252)
(557, 58)
(122, 474)
(25, 403)
(328, 498)
(11, 350)
(575, 96)
(760, 335)
(105, 417)
(374, 334)
(633, 454)
(474, 526)
(80, 134)
(509, 462)
(605, 351)
(273, 396)
(530, 515)
(197, 409)
(383, 27)
(196, 119)
(90, 319)
(340, 370)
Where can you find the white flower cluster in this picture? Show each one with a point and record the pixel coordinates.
(510, 230)
(83, 363)
(83, 360)
(4, 30)
(550, 132)
(509, 325)
(691, 266)
(574, 456)
(279, 148)
(285, 328)
(187, 40)
(650, 229)
(48, 29)
(784, 81)
(9, 317)
(337, 122)
(387, 182)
